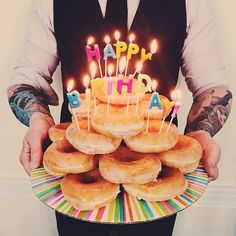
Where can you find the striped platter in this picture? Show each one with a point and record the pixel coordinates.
(125, 209)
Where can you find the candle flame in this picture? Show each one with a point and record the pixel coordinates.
(110, 69)
(176, 95)
(122, 64)
(93, 69)
(117, 35)
(154, 85)
(131, 38)
(107, 39)
(154, 46)
(86, 81)
(90, 40)
(139, 66)
(70, 85)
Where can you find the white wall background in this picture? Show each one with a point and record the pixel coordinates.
(22, 214)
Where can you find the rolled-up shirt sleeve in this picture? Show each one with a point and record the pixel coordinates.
(202, 64)
(38, 59)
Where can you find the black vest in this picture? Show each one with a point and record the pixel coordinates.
(75, 20)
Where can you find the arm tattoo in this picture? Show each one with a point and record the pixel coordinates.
(25, 100)
(210, 111)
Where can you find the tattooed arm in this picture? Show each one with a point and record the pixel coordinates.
(207, 116)
(210, 110)
(25, 100)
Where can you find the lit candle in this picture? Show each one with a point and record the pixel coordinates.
(132, 50)
(117, 38)
(176, 96)
(87, 97)
(167, 106)
(109, 86)
(139, 67)
(108, 52)
(153, 49)
(94, 53)
(74, 100)
(154, 102)
(93, 71)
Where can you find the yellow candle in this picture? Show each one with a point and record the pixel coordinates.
(120, 47)
(148, 80)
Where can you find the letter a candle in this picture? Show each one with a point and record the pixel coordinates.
(154, 102)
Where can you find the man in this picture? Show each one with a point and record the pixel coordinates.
(57, 32)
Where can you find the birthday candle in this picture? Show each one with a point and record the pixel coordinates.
(87, 97)
(148, 82)
(74, 100)
(176, 96)
(93, 74)
(94, 53)
(108, 52)
(167, 106)
(153, 49)
(117, 37)
(132, 50)
(109, 86)
(154, 102)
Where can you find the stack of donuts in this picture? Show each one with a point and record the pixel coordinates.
(117, 153)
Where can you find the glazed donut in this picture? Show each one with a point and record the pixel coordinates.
(125, 166)
(82, 111)
(57, 132)
(61, 158)
(120, 99)
(155, 112)
(152, 141)
(90, 142)
(89, 190)
(185, 155)
(117, 123)
(169, 184)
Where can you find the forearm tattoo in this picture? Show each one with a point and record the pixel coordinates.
(25, 100)
(210, 111)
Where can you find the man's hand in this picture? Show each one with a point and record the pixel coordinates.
(211, 152)
(32, 151)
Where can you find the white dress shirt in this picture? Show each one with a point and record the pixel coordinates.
(201, 61)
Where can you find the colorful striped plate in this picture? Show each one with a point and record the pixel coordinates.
(125, 209)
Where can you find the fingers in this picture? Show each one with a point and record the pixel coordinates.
(36, 144)
(25, 157)
(210, 159)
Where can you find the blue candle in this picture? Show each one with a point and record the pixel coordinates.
(74, 99)
(155, 101)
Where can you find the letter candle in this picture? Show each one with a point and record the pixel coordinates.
(132, 50)
(176, 97)
(74, 100)
(93, 74)
(139, 67)
(109, 86)
(95, 53)
(120, 47)
(108, 52)
(154, 102)
(153, 49)
(88, 97)
(167, 106)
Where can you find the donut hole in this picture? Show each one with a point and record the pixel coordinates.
(128, 158)
(88, 179)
